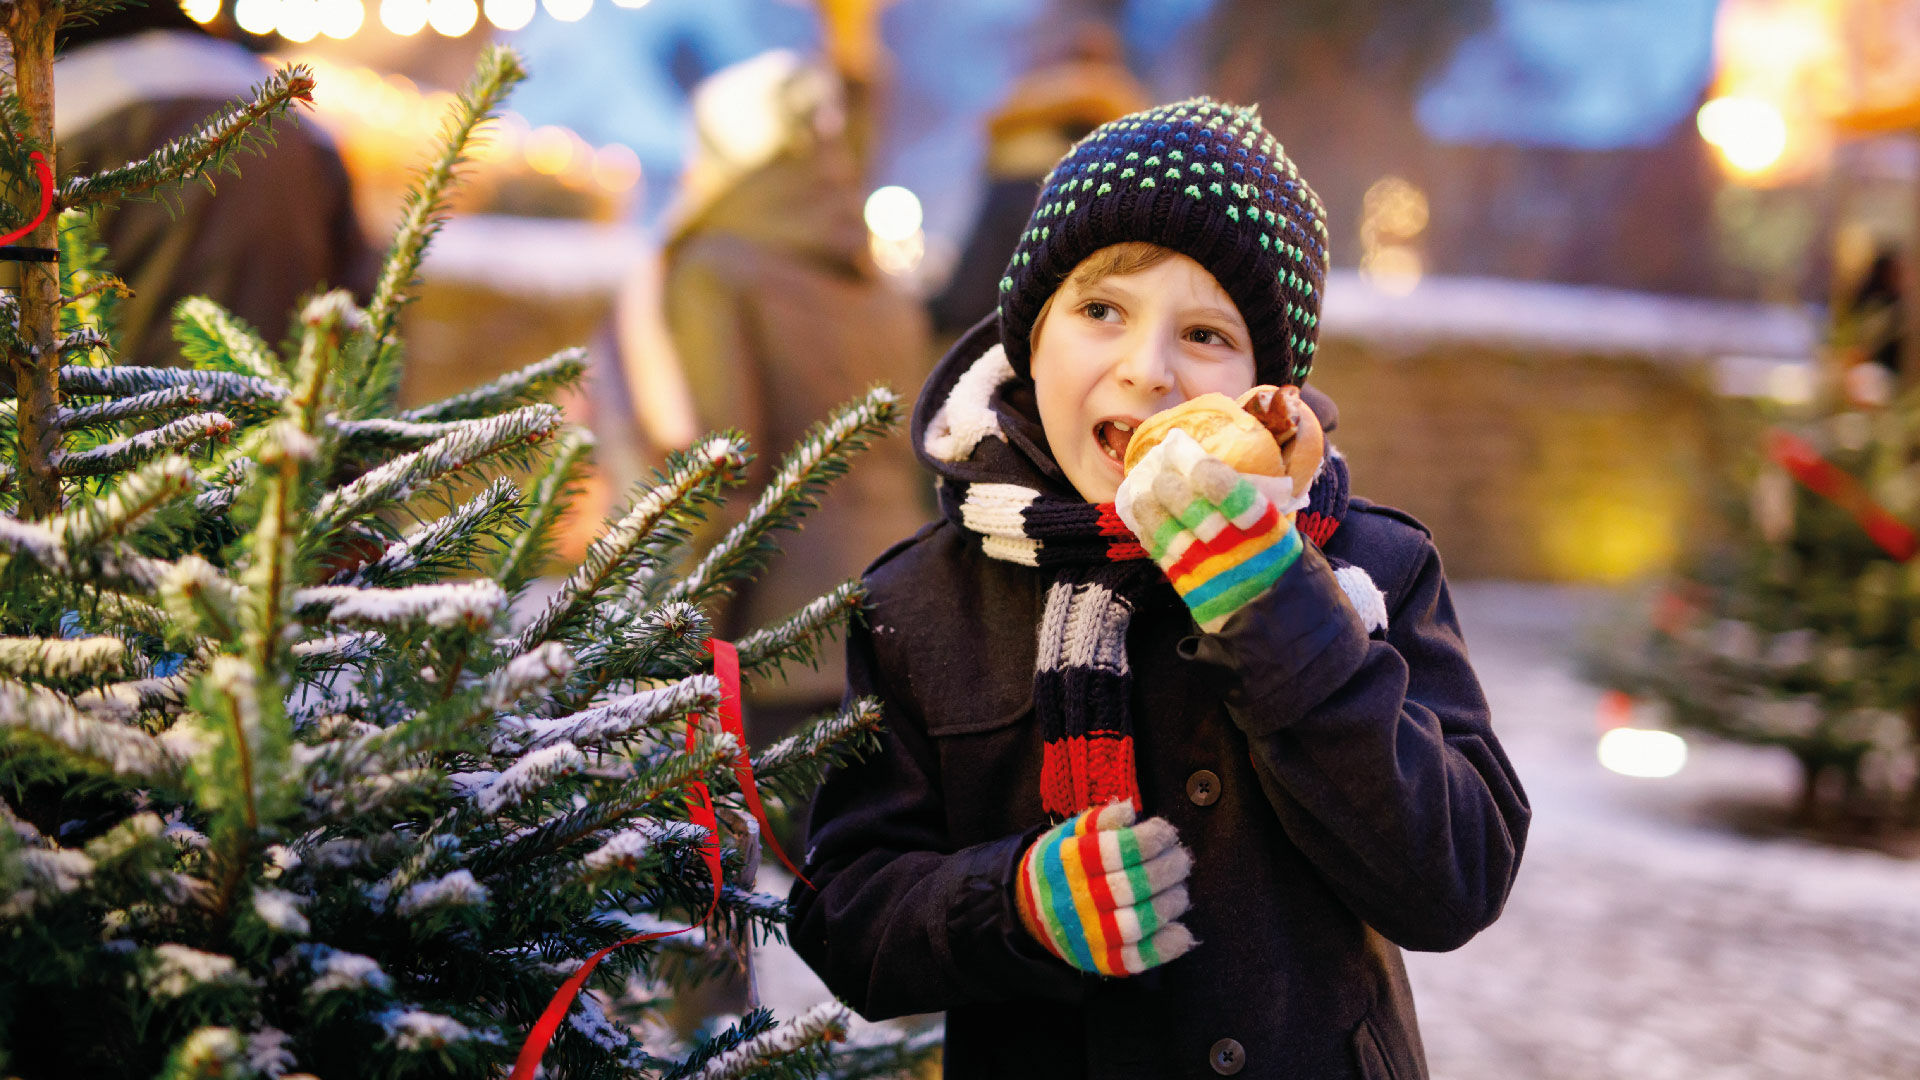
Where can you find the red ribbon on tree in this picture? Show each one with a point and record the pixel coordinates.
(45, 174)
(1829, 481)
(726, 667)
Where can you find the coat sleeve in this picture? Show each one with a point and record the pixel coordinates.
(901, 921)
(1379, 757)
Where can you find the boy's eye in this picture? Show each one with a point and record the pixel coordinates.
(1200, 335)
(1095, 310)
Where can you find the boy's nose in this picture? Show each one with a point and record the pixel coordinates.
(1145, 369)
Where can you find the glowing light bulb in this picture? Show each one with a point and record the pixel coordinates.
(298, 20)
(510, 14)
(616, 167)
(1640, 752)
(567, 10)
(893, 213)
(1750, 133)
(341, 19)
(452, 18)
(201, 11)
(404, 17)
(256, 16)
(549, 150)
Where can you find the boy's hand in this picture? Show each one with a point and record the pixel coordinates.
(1103, 893)
(1217, 534)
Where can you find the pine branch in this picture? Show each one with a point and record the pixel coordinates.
(137, 407)
(445, 546)
(224, 487)
(664, 641)
(528, 550)
(534, 383)
(425, 211)
(82, 339)
(798, 637)
(611, 554)
(793, 767)
(202, 600)
(213, 338)
(126, 700)
(204, 152)
(123, 454)
(31, 716)
(61, 658)
(400, 478)
(819, 458)
(375, 435)
(473, 604)
(219, 387)
(803, 1038)
(615, 720)
(126, 507)
(651, 783)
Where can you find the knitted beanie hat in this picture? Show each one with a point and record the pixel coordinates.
(1204, 179)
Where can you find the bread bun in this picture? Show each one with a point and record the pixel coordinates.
(1269, 431)
(1221, 427)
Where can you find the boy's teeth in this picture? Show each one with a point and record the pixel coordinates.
(1123, 425)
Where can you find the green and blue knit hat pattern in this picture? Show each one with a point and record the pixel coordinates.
(1202, 178)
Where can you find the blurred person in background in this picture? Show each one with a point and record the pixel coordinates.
(132, 80)
(1061, 99)
(778, 315)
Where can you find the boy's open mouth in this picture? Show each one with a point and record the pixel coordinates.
(1113, 435)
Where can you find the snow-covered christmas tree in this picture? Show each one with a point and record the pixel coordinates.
(303, 769)
(1800, 627)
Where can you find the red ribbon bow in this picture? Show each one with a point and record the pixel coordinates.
(45, 175)
(726, 667)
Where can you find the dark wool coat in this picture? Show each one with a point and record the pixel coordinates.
(1342, 794)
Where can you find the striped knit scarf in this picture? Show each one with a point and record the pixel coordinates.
(993, 485)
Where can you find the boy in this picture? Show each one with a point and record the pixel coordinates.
(1315, 752)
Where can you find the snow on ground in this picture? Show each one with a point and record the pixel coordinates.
(1644, 938)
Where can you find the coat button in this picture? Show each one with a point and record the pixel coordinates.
(1227, 1057)
(1203, 788)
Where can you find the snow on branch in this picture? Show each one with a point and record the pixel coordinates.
(532, 771)
(826, 1022)
(468, 603)
(442, 541)
(30, 714)
(398, 479)
(61, 658)
(530, 384)
(616, 719)
(124, 508)
(820, 457)
(546, 666)
(208, 149)
(122, 454)
(605, 557)
(125, 381)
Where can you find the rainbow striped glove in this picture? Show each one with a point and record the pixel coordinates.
(1102, 893)
(1219, 537)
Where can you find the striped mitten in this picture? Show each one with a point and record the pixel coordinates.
(1102, 893)
(1220, 540)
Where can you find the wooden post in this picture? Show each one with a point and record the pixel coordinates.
(35, 360)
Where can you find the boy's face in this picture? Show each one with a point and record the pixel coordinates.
(1112, 352)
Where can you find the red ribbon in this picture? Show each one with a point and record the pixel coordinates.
(45, 174)
(726, 667)
(1824, 478)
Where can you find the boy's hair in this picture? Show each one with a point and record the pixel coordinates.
(1117, 260)
(1199, 178)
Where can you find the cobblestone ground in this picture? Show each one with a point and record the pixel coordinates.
(1645, 939)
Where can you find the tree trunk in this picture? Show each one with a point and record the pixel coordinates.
(35, 361)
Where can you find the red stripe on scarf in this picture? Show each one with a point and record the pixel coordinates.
(1078, 772)
(1124, 545)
